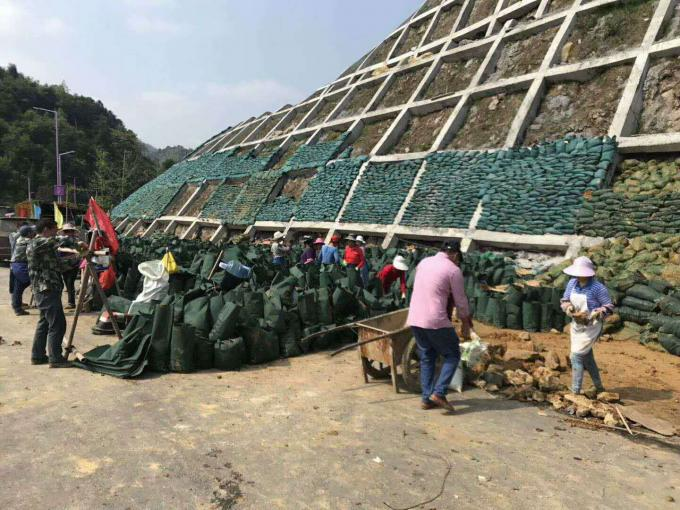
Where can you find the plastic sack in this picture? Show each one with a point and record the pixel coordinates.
(456, 383)
(471, 352)
(169, 263)
(156, 282)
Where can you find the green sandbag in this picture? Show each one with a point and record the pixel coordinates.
(671, 327)
(196, 263)
(285, 290)
(306, 345)
(531, 316)
(481, 306)
(670, 306)
(513, 296)
(182, 346)
(204, 353)
(262, 345)
(226, 323)
(324, 307)
(344, 303)
(632, 315)
(556, 297)
(532, 293)
(197, 315)
(638, 304)
(312, 276)
(496, 311)
(253, 307)
(216, 305)
(547, 311)
(119, 304)
(299, 275)
(208, 263)
(274, 314)
(230, 354)
(670, 342)
(131, 282)
(644, 292)
(559, 319)
(513, 316)
(307, 305)
(290, 337)
(161, 335)
(353, 279)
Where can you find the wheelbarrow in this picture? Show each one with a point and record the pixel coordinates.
(394, 354)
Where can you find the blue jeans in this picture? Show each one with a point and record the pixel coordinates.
(579, 362)
(51, 327)
(432, 343)
(21, 283)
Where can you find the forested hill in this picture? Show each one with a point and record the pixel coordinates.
(108, 160)
(166, 155)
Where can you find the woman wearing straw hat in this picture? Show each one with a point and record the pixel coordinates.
(389, 274)
(279, 249)
(587, 302)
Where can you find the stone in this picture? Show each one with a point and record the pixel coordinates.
(608, 396)
(601, 410)
(479, 383)
(582, 404)
(494, 378)
(525, 336)
(492, 388)
(518, 377)
(612, 420)
(556, 401)
(538, 396)
(546, 379)
(591, 393)
(552, 360)
(493, 367)
(520, 355)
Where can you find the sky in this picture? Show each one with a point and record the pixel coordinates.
(180, 71)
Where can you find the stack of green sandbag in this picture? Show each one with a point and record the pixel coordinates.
(281, 208)
(327, 190)
(255, 191)
(219, 205)
(381, 192)
(312, 156)
(644, 199)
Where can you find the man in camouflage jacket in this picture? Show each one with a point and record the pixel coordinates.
(45, 268)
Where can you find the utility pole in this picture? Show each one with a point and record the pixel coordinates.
(58, 189)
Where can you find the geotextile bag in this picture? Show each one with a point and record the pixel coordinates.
(204, 352)
(230, 354)
(262, 345)
(531, 316)
(182, 348)
(226, 323)
(161, 335)
(197, 315)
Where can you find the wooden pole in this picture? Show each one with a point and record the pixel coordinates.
(84, 277)
(103, 297)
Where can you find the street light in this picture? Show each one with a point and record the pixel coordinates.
(58, 189)
(60, 155)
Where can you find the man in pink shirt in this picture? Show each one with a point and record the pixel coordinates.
(438, 287)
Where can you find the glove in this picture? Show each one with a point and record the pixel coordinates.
(569, 309)
(596, 315)
(403, 296)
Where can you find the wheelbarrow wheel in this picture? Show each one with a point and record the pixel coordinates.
(375, 369)
(410, 367)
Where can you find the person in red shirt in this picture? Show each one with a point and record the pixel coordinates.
(354, 255)
(389, 274)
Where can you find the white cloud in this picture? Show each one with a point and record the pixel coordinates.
(143, 24)
(16, 22)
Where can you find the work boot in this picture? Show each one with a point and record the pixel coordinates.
(426, 406)
(21, 312)
(69, 306)
(440, 401)
(39, 361)
(61, 364)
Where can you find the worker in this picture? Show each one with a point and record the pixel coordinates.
(438, 287)
(361, 243)
(68, 241)
(309, 253)
(318, 244)
(45, 268)
(279, 249)
(389, 274)
(13, 236)
(19, 268)
(354, 256)
(329, 254)
(586, 300)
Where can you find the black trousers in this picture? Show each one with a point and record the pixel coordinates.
(69, 278)
(51, 327)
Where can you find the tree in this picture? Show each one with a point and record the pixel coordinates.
(167, 164)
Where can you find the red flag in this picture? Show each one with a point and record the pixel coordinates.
(98, 219)
(107, 279)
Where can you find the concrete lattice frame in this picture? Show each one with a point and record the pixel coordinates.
(498, 27)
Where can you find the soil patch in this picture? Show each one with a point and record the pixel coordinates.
(559, 5)
(402, 87)
(661, 107)
(443, 25)
(583, 108)
(643, 377)
(327, 107)
(370, 135)
(245, 132)
(178, 202)
(671, 28)
(330, 135)
(290, 124)
(360, 99)
(421, 131)
(292, 148)
(381, 52)
(608, 29)
(413, 37)
(523, 56)
(203, 196)
(205, 233)
(266, 126)
(453, 75)
(339, 85)
(180, 229)
(296, 186)
(481, 10)
(488, 122)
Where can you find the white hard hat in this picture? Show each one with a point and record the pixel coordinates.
(360, 239)
(400, 263)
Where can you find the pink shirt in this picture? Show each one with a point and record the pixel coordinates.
(437, 280)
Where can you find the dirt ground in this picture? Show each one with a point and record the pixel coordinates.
(360, 99)
(454, 75)
(369, 136)
(661, 107)
(422, 131)
(402, 87)
(305, 433)
(523, 56)
(181, 199)
(444, 24)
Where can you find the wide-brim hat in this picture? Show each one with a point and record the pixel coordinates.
(582, 267)
(278, 235)
(399, 262)
(319, 241)
(360, 239)
(350, 238)
(68, 226)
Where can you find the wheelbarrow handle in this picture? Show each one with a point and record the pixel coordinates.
(364, 342)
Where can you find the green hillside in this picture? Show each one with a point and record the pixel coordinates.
(108, 160)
